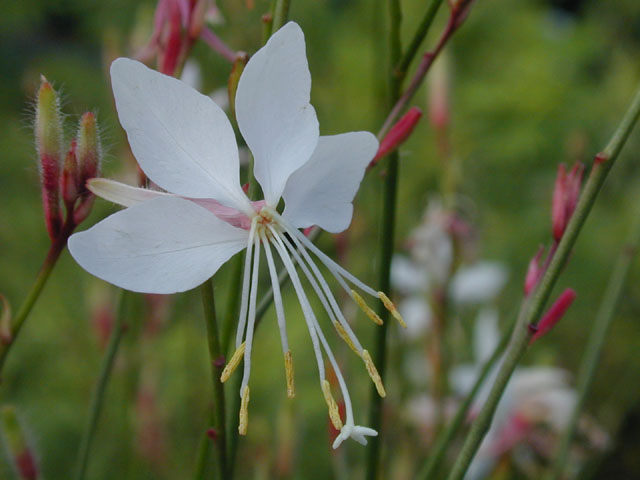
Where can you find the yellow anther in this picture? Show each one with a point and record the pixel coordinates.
(373, 373)
(343, 334)
(288, 368)
(233, 363)
(334, 412)
(388, 304)
(243, 424)
(366, 308)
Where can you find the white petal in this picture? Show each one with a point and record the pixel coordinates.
(163, 245)
(182, 140)
(121, 193)
(273, 110)
(478, 283)
(321, 191)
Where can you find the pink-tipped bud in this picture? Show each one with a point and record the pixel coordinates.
(555, 313)
(565, 198)
(48, 130)
(398, 134)
(89, 158)
(22, 458)
(69, 182)
(234, 77)
(89, 150)
(534, 272)
(170, 50)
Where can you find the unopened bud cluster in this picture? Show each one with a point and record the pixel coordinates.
(64, 171)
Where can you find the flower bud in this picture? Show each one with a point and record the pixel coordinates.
(234, 77)
(19, 452)
(398, 134)
(439, 113)
(565, 198)
(169, 53)
(534, 272)
(89, 150)
(48, 130)
(554, 314)
(69, 183)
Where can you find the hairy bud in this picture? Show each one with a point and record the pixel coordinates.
(555, 313)
(48, 130)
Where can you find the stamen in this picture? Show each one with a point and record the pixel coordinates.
(288, 368)
(343, 334)
(306, 308)
(251, 319)
(244, 299)
(388, 304)
(366, 308)
(334, 411)
(233, 363)
(335, 314)
(277, 296)
(373, 373)
(243, 424)
(335, 269)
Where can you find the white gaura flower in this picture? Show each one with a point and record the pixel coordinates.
(171, 242)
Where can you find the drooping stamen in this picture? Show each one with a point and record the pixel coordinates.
(243, 424)
(334, 411)
(337, 318)
(251, 319)
(244, 299)
(233, 363)
(373, 373)
(288, 368)
(365, 308)
(388, 304)
(333, 267)
(304, 304)
(277, 296)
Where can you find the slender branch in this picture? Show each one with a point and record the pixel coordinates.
(418, 37)
(386, 248)
(217, 364)
(456, 18)
(520, 339)
(597, 337)
(56, 248)
(281, 14)
(97, 399)
(444, 439)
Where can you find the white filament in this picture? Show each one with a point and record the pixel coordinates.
(252, 315)
(244, 299)
(277, 297)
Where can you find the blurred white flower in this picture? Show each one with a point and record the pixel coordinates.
(478, 283)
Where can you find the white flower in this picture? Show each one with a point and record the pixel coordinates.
(478, 283)
(171, 242)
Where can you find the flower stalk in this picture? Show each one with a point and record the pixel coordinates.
(97, 399)
(216, 357)
(597, 337)
(603, 163)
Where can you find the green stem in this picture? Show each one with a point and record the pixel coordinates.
(386, 247)
(17, 322)
(217, 364)
(520, 339)
(281, 14)
(597, 337)
(418, 37)
(445, 437)
(97, 399)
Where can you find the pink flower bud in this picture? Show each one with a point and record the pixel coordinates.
(554, 314)
(89, 151)
(48, 130)
(169, 55)
(398, 134)
(69, 182)
(565, 198)
(534, 272)
(23, 461)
